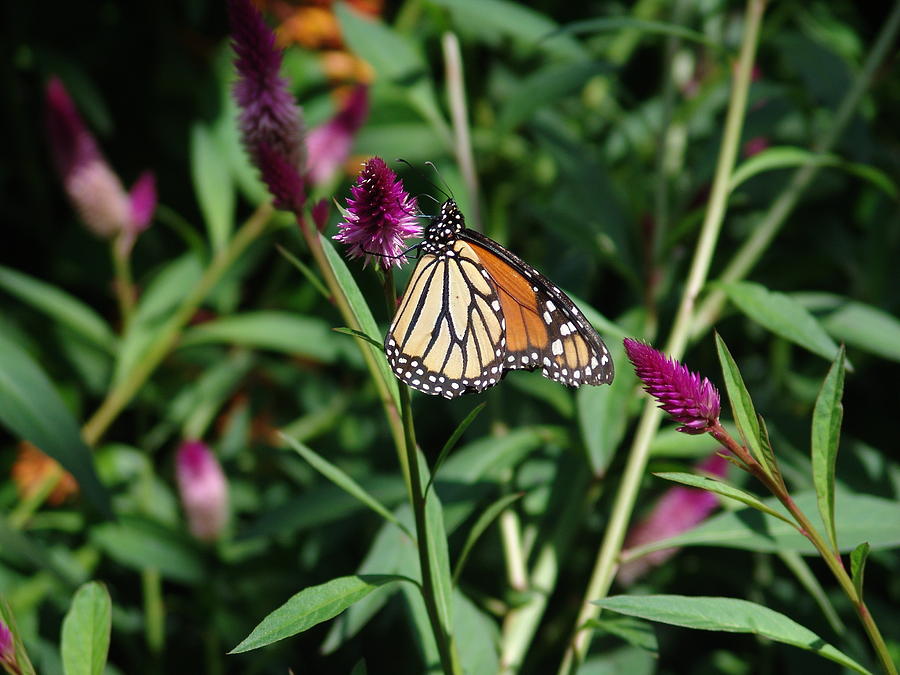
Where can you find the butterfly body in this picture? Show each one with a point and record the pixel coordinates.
(474, 311)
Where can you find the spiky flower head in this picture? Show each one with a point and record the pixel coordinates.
(8, 649)
(203, 489)
(270, 121)
(92, 186)
(690, 400)
(382, 216)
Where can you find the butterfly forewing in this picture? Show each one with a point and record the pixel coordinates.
(447, 337)
(473, 311)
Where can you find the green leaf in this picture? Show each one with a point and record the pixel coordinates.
(59, 306)
(633, 631)
(784, 157)
(591, 26)
(603, 413)
(438, 555)
(305, 270)
(312, 606)
(343, 330)
(212, 184)
(826, 435)
(343, 481)
(742, 406)
(496, 19)
(724, 489)
(279, 331)
(545, 87)
(858, 558)
(86, 631)
(476, 636)
(866, 327)
(31, 409)
(452, 441)
(361, 312)
(782, 315)
(727, 615)
(484, 521)
(857, 518)
(140, 544)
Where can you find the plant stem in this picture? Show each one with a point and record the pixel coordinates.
(462, 140)
(763, 233)
(168, 335)
(123, 283)
(154, 615)
(606, 563)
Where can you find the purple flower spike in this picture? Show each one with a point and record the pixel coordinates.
(203, 488)
(8, 650)
(270, 121)
(690, 400)
(382, 216)
(678, 510)
(328, 145)
(92, 186)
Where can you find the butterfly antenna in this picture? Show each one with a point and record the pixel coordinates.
(426, 179)
(451, 195)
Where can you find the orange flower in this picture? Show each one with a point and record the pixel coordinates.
(32, 467)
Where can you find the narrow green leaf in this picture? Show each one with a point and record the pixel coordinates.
(591, 26)
(343, 330)
(484, 521)
(741, 405)
(343, 481)
(634, 631)
(866, 327)
(361, 311)
(724, 489)
(727, 615)
(312, 606)
(213, 185)
(305, 270)
(279, 331)
(784, 157)
(31, 409)
(452, 441)
(603, 413)
(826, 435)
(476, 636)
(858, 558)
(86, 631)
(59, 306)
(439, 555)
(858, 518)
(782, 315)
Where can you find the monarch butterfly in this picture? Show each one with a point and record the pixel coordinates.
(474, 311)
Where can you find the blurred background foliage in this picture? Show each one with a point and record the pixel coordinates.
(594, 149)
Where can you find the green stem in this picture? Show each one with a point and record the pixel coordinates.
(123, 283)
(166, 338)
(607, 563)
(462, 139)
(154, 615)
(763, 233)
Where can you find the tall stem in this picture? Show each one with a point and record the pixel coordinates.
(606, 563)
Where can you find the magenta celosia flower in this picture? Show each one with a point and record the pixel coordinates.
(203, 488)
(755, 145)
(328, 145)
(382, 216)
(8, 650)
(690, 400)
(270, 121)
(678, 510)
(92, 186)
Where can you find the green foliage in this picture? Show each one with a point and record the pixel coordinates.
(594, 129)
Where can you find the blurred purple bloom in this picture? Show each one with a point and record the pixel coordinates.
(690, 400)
(92, 186)
(203, 488)
(756, 145)
(678, 510)
(382, 216)
(8, 650)
(270, 121)
(328, 145)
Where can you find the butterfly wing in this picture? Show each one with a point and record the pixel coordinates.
(544, 328)
(447, 337)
